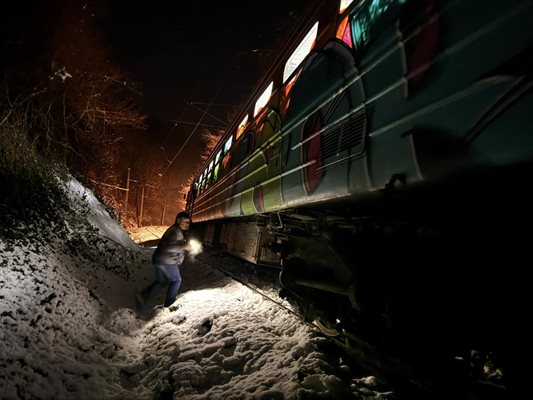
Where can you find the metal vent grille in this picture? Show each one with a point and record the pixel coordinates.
(348, 134)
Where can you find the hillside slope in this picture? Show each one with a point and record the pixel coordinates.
(69, 328)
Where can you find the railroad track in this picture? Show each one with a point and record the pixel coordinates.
(391, 372)
(359, 351)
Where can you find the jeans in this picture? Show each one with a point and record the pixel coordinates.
(165, 274)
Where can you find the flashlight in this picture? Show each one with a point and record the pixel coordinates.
(196, 247)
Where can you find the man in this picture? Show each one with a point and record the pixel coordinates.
(167, 259)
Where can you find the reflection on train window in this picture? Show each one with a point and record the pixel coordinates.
(368, 20)
(216, 172)
(344, 5)
(227, 146)
(225, 161)
(303, 49)
(242, 127)
(344, 32)
(263, 99)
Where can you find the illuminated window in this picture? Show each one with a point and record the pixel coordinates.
(210, 166)
(303, 49)
(344, 32)
(263, 99)
(225, 160)
(241, 127)
(368, 17)
(344, 5)
(227, 146)
(218, 156)
(217, 170)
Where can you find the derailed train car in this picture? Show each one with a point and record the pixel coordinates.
(383, 165)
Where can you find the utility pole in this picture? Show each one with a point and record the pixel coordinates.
(164, 211)
(142, 204)
(127, 194)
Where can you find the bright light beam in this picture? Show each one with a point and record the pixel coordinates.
(196, 247)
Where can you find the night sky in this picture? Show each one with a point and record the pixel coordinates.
(177, 52)
(194, 52)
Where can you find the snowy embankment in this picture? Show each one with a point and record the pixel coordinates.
(69, 329)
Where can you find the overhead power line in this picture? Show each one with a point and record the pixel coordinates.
(194, 123)
(194, 129)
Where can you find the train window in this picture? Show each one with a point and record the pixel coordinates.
(216, 172)
(344, 5)
(365, 21)
(225, 161)
(210, 166)
(219, 154)
(344, 32)
(227, 146)
(242, 127)
(303, 49)
(263, 99)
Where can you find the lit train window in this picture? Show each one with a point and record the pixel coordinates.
(344, 32)
(225, 160)
(227, 146)
(303, 49)
(344, 5)
(241, 127)
(263, 99)
(210, 166)
(365, 20)
(216, 172)
(218, 156)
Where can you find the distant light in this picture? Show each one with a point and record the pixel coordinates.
(196, 247)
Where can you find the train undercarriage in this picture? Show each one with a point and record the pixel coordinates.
(427, 277)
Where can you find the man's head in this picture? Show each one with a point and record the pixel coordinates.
(183, 219)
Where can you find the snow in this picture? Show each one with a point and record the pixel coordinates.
(70, 328)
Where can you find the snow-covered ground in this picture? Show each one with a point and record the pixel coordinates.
(69, 326)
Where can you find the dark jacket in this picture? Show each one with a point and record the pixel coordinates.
(171, 247)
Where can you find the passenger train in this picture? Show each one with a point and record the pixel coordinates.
(382, 164)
